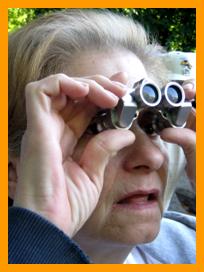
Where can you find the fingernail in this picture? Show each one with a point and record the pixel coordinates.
(113, 96)
(188, 85)
(125, 88)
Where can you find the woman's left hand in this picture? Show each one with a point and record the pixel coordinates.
(185, 137)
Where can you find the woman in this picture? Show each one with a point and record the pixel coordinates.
(108, 191)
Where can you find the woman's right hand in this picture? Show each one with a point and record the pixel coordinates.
(187, 137)
(50, 182)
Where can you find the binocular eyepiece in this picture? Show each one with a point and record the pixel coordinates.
(149, 94)
(152, 107)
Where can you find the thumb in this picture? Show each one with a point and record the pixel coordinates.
(186, 138)
(100, 149)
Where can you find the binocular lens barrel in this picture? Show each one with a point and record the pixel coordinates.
(174, 94)
(150, 93)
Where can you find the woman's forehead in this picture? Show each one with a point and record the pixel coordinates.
(108, 64)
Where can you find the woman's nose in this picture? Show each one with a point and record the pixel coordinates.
(147, 153)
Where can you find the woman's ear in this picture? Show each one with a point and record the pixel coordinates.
(12, 176)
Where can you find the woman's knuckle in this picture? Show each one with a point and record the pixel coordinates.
(61, 76)
(91, 82)
(30, 88)
(97, 76)
(102, 146)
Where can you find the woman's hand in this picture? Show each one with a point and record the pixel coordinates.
(50, 182)
(186, 137)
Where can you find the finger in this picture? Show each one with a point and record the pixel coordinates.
(39, 93)
(191, 122)
(79, 122)
(182, 136)
(99, 95)
(100, 149)
(114, 87)
(43, 99)
(121, 77)
(190, 89)
(186, 138)
(54, 84)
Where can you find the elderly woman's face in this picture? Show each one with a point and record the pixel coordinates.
(131, 203)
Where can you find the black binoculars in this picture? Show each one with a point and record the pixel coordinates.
(152, 107)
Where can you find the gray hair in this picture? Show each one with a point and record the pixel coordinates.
(49, 44)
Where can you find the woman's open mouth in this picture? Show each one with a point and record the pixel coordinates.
(139, 199)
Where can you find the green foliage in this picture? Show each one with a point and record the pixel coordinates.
(19, 17)
(174, 28)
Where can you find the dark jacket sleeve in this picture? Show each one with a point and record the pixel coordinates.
(34, 240)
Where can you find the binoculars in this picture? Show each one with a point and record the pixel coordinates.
(153, 108)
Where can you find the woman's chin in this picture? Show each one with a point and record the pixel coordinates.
(132, 234)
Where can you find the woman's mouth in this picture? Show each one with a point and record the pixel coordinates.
(139, 200)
